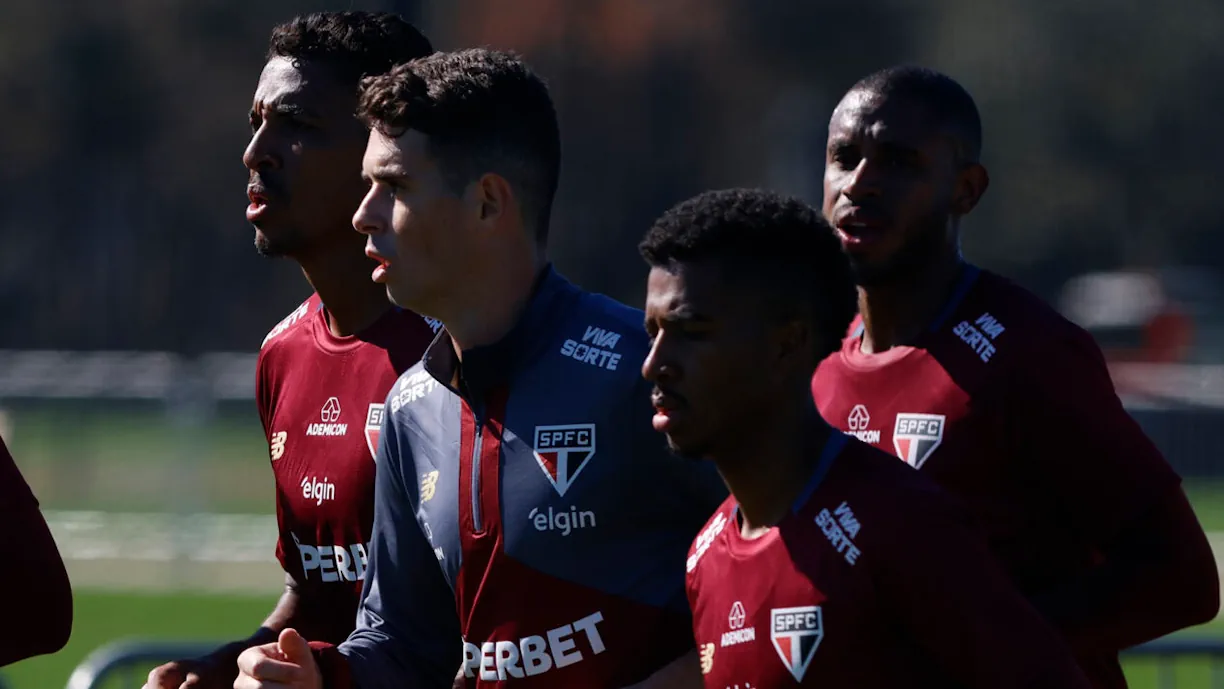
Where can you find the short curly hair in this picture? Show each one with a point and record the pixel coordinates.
(482, 111)
(355, 44)
(776, 244)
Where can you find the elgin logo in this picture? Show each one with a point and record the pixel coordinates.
(332, 562)
(497, 661)
(314, 489)
(796, 633)
(564, 451)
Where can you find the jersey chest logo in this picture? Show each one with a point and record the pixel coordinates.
(563, 452)
(373, 428)
(915, 436)
(796, 633)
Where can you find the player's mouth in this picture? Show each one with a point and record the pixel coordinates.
(859, 228)
(668, 407)
(380, 271)
(257, 194)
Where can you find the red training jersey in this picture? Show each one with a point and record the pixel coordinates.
(1009, 406)
(320, 399)
(875, 580)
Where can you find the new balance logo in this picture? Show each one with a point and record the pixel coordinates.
(564, 451)
(276, 447)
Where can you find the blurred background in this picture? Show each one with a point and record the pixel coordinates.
(134, 301)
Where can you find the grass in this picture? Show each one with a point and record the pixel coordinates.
(128, 457)
(105, 617)
(100, 618)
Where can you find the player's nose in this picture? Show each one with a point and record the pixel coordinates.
(862, 182)
(368, 219)
(260, 152)
(657, 366)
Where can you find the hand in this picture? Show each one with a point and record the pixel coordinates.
(213, 671)
(286, 664)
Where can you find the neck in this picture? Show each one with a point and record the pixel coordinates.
(767, 471)
(896, 313)
(483, 311)
(341, 277)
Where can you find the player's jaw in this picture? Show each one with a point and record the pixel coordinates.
(674, 418)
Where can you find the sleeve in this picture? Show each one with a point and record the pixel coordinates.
(36, 582)
(407, 631)
(264, 404)
(955, 602)
(1067, 419)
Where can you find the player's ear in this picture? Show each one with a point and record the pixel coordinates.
(492, 197)
(971, 185)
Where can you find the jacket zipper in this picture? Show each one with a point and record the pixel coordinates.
(477, 521)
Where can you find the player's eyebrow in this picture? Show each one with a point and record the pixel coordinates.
(386, 173)
(684, 314)
(285, 109)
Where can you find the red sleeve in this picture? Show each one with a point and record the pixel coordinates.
(263, 392)
(1066, 417)
(955, 601)
(265, 405)
(36, 582)
(333, 666)
(1156, 572)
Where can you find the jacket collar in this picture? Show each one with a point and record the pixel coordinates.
(491, 365)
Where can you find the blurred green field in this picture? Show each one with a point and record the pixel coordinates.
(135, 458)
(105, 617)
(101, 618)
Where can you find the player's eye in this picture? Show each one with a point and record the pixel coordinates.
(846, 157)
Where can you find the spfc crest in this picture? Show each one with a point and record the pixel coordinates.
(373, 428)
(564, 451)
(796, 633)
(916, 436)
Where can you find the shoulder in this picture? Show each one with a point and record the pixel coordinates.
(600, 336)
(291, 325)
(999, 324)
(411, 389)
(878, 488)
(714, 526)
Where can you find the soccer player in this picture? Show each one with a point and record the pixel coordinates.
(529, 524)
(831, 564)
(324, 371)
(37, 593)
(984, 388)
